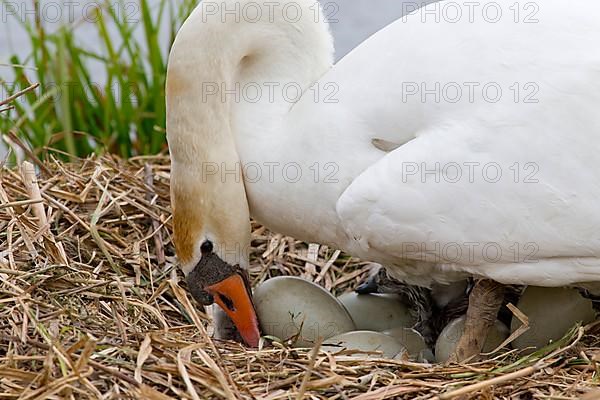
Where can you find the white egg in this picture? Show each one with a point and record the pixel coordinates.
(410, 339)
(448, 339)
(377, 312)
(551, 312)
(288, 307)
(366, 341)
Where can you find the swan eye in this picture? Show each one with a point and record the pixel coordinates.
(206, 247)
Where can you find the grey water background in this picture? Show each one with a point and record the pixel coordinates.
(351, 21)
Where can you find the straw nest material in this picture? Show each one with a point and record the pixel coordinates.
(92, 306)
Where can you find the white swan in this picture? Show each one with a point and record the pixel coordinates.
(440, 147)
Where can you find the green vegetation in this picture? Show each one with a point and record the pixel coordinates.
(121, 109)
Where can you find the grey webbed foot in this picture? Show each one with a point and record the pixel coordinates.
(380, 282)
(369, 286)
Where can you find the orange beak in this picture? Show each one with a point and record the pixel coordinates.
(233, 297)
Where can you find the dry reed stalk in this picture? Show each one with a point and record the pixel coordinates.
(33, 190)
(19, 94)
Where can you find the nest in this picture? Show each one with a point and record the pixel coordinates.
(92, 305)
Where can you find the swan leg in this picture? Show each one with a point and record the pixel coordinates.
(485, 301)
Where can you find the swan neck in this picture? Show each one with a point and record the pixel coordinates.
(212, 62)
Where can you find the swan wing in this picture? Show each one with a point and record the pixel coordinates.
(505, 174)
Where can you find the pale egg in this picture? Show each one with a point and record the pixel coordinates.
(551, 312)
(448, 339)
(377, 312)
(294, 308)
(365, 341)
(409, 338)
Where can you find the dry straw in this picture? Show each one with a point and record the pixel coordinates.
(92, 306)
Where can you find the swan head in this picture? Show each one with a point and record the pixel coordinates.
(213, 280)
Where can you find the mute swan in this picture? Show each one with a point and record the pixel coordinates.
(448, 145)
